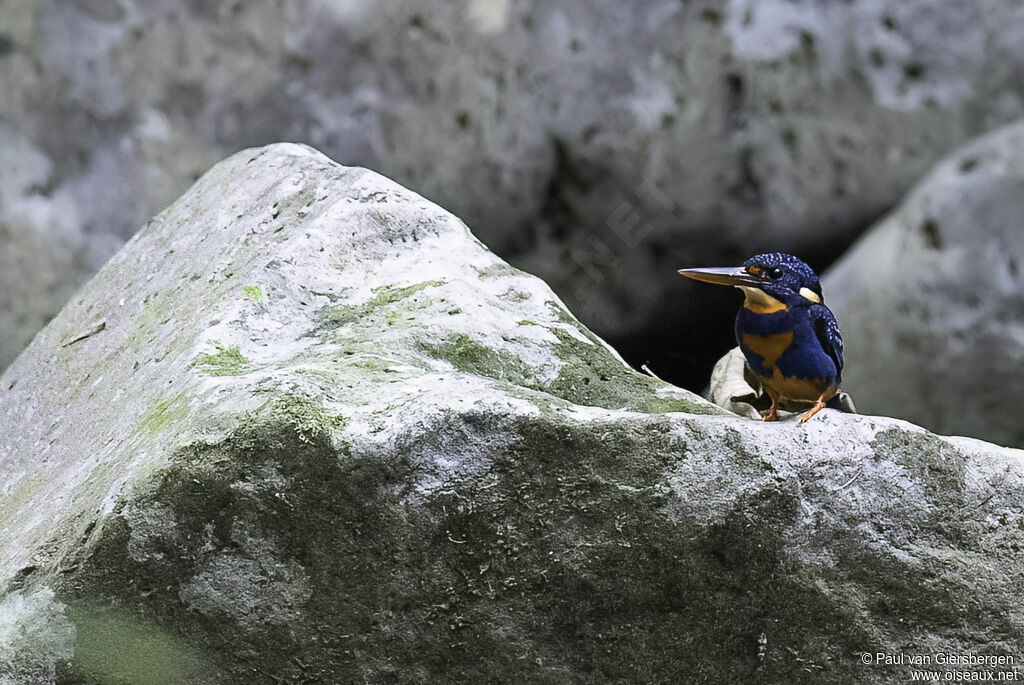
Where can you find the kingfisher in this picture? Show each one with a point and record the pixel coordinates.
(788, 336)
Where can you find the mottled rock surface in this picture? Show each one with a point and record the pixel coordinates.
(931, 301)
(598, 145)
(304, 427)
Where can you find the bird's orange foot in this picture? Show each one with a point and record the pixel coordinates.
(771, 415)
(806, 416)
(818, 406)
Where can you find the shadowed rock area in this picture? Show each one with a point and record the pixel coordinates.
(931, 300)
(305, 427)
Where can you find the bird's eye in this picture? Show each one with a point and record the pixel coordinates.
(775, 273)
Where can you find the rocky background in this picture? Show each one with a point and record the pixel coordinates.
(599, 146)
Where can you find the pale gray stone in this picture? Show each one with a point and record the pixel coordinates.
(931, 300)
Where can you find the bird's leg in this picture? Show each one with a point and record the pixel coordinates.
(773, 412)
(819, 404)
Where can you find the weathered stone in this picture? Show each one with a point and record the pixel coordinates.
(599, 146)
(728, 387)
(304, 427)
(931, 301)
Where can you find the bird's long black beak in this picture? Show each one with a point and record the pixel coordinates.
(729, 275)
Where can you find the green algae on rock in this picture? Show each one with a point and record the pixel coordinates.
(253, 293)
(226, 361)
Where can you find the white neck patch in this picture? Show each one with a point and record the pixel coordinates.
(809, 294)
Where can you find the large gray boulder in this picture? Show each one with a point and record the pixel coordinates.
(931, 301)
(599, 145)
(305, 428)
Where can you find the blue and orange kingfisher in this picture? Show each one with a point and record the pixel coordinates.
(789, 337)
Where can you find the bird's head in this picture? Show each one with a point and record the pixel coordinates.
(771, 282)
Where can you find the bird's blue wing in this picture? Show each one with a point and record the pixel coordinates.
(827, 330)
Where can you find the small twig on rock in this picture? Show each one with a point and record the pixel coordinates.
(92, 330)
(646, 369)
(850, 482)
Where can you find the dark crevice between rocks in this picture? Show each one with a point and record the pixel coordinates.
(734, 97)
(932, 234)
(747, 188)
(556, 216)
(969, 164)
(914, 70)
